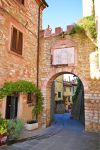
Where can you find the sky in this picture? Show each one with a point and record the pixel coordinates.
(62, 13)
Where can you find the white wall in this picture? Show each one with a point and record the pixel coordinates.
(87, 7)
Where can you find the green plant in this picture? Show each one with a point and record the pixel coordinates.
(86, 25)
(3, 126)
(38, 107)
(78, 89)
(19, 86)
(23, 86)
(15, 127)
(77, 29)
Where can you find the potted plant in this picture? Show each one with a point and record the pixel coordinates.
(32, 124)
(3, 131)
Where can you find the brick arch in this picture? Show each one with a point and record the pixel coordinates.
(55, 72)
(47, 88)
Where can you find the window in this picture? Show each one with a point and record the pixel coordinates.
(31, 98)
(16, 41)
(21, 1)
(59, 94)
(64, 89)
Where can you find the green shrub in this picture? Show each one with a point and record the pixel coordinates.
(78, 89)
(15, 127)
(86, 25)
(3, 126)
(23, 86)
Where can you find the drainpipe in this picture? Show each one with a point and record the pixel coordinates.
(38, 45)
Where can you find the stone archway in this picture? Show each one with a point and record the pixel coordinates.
(47, 91)
(78, 48)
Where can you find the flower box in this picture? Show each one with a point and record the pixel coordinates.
(31, 125)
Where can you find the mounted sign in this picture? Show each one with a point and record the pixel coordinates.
(64, 56)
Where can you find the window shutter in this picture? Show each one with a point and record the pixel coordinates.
(23, 2)
(31, 98)
(14, 39)
(20, 43)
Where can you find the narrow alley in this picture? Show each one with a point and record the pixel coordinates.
(64, 134)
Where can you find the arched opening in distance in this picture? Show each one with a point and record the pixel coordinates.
(65, 96)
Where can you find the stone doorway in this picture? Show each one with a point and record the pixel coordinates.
(51, 106)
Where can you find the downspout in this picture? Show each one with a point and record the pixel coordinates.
(38, 45)
(38, 38)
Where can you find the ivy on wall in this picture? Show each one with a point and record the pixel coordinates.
(78, 89)
(10, 88)
(86, 25)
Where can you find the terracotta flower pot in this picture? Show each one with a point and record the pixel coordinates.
(3, 139)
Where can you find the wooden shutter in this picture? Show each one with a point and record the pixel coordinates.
(14, 39)
(20, 42)
(31, 98)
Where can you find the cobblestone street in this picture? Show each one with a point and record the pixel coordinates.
(65, 134)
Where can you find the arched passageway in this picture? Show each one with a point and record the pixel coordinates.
(62, 53)
(49, 106)
(67, 97)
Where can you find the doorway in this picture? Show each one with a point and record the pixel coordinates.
(11, 107)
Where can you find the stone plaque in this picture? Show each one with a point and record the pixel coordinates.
(63, 56)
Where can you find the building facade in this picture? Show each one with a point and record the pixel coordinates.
(19, 24)
(62, 53)
(24, 57)
(88, 7)
(69, 91)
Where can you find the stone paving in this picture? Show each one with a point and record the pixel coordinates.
(65, 134)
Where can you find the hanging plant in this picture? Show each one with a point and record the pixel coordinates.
(22, 86)
(79, 88)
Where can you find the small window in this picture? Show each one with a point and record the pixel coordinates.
(64, 89)
(31, 98)
(59, 94)
(21, 1)
(16, 41)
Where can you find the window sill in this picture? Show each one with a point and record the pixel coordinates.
(14, 53)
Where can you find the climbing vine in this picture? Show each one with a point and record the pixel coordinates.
(10, 88)
(78, 89)
(86, 25)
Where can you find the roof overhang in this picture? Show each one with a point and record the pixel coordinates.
(42, 3)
